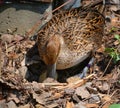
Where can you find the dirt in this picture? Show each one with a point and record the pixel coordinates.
(20, 18)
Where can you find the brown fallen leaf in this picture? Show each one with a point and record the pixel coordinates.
(25, 106)
(106, 98)
(69, 104)
(113, 8)
(92, 105)
(101, 49)
(14, 98)
(116, 42)
(53, 105)
(83, 92)
(73, 79)
(3, 103)
(38, 98)
(49, 80)
(106, 105)
(114, 21)
(38, 106)
(7, 38)
(56, 96)
(11, 104)
(94, 98)
(102, 85)
(13, 56)
(10, 38)
(18, 38)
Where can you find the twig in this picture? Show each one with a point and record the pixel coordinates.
(42, 85)
(44, 16)
(54, 84)
(6, 48)
(113, 93)
(80, 82)
(106, 68)
(106, 100)
(71, 85)
(62, 5)
(75, 84)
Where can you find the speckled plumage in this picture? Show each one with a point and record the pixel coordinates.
(78, 32)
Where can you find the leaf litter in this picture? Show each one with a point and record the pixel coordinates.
(21, 72)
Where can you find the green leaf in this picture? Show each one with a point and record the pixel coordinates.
(109, 50)
(113, 29)
(115, 56)
(117, 37)
(112, 54)
(118, 57)
(114, 106)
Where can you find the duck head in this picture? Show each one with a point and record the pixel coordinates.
(51, 52)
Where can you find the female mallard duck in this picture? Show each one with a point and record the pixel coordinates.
(69, 37)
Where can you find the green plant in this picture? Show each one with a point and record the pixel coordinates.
(114, 106)
(113, 29)
(117, 37)
(113, 52)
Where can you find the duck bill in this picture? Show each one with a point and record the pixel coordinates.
(51, 71)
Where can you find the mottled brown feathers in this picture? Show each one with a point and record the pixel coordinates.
(70, 35)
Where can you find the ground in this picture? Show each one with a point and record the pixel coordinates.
(22, 74)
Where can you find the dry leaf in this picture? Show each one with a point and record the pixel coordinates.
(94, 98)
(39, 106)
(3, 103)
(92, 105)
(18, 38)
(38, 98)
(106, 98)
(13, 97)
(7, 38)
(101, 49)
(11, 104)
(114, 21)
(116, 42)
(13, 55)
(106, 105)
(73, 79)
(82, 91)
(56, 96)
(69, 104)
(113, 8)
(102, 85)
(25, 106)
